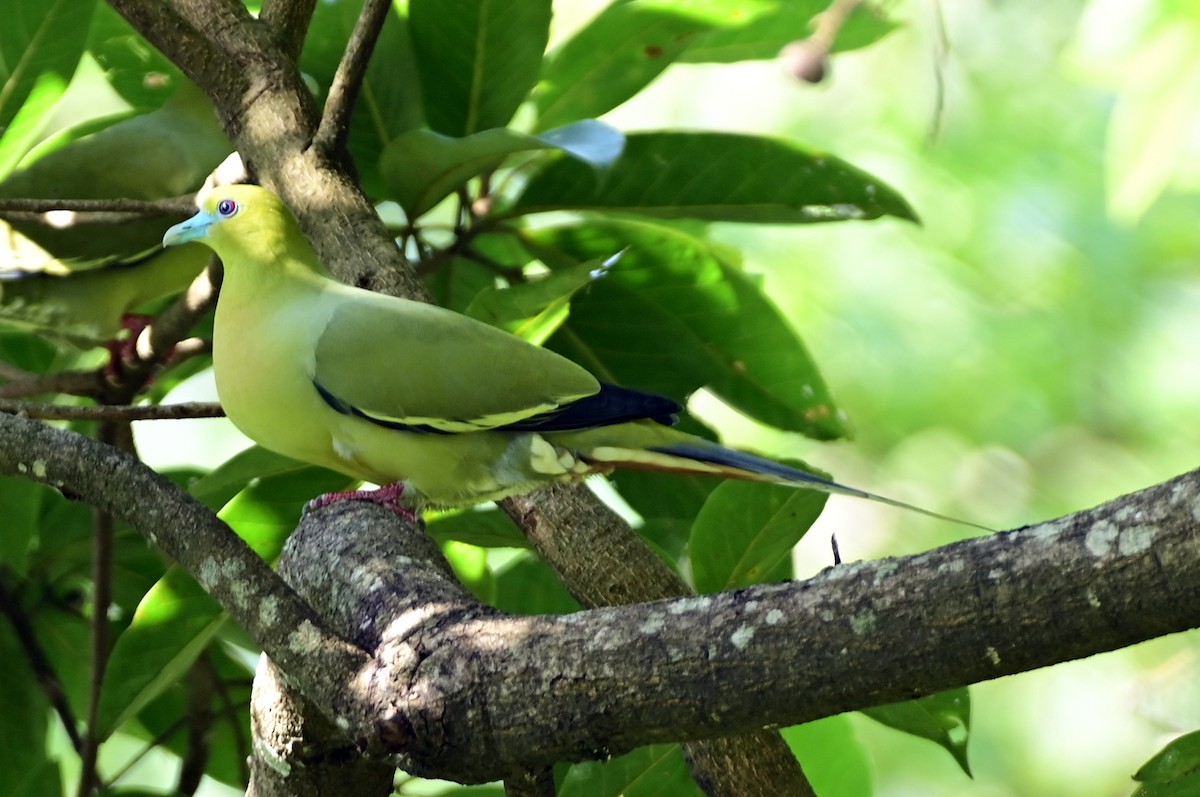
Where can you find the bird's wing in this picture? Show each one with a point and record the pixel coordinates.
(415, 366)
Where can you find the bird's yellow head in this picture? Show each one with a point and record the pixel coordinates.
(231, 213)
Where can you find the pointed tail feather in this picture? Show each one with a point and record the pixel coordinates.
(702, 457)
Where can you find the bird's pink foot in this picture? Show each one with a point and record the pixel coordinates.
(124, 350)
(390, 496)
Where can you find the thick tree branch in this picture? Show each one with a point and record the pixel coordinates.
(603, 562)
(221, 562)
(462, 690)
(290, 19)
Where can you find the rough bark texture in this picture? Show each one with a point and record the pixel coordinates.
(459, 688)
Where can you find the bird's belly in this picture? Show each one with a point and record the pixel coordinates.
(445, 470)
(269, 398)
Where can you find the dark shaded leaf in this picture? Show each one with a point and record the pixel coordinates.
(621, 50)
(1178, 759)
(746, 530)
(944, 718)
(421, 167)
(170, 629)
(709, 324)
(478, 59)
(649, 771)
(717, 177)
(41, 42)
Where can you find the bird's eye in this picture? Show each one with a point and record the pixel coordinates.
(227, 208)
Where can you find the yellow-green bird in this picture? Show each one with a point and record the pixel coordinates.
(443, 409)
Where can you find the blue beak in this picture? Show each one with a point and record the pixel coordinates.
(190, 229)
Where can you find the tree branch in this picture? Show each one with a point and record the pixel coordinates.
(113, 211)
(39, 662)
(603, 562)
(347, 81)
(461, 690)
(147, 412)
(258, 600)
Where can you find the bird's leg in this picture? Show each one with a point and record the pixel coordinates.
(389, 496)
(124, 350)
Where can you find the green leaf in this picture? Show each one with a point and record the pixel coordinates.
(487, 528)
(142, 75)
(718, 177)
(21, 502)
(421, 167)
(219, 487)
(746, 529)
(389, 101)
(478, 59)
(763, 36)
(1185, 786)
(944, 718)
(172, 626)
(166, 720)
(710, 323)
(527, 585)
(534, 310)
(623, 48)
(1180, 758)
(268, 509)
(25, 768)
(835, 762)
(649, 771)
(41, 42)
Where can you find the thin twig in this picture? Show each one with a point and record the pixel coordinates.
(148, 412)
(348, 80)
(104, 531)
(43, 670)
(37, 209)
(71, 383)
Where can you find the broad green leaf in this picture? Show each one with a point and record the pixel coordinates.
(1180, 758)
(456, 282)
(710, 324)
(25, 768)
(268, 509)
(489, 528)
(21, 503)
(41, 42)
(626, 46)
(528, 586)
(746, 529)
(718, 177)
(218, 487)
(534, 310)
(835, 763)
(763, 36)
(944, 718)
(171, 627)
(1184, 786)
(470, 566)
(421, 167)
(176, 147)
(478, 59)
(389, 101)
(668, 504)
(142, 75)
(650, 771)
(166, 720)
